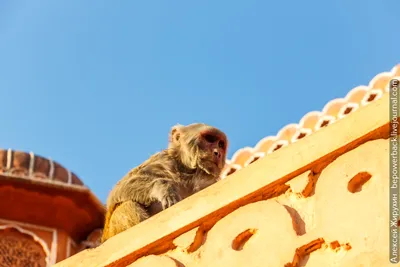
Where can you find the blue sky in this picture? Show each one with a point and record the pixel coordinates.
(96, 85)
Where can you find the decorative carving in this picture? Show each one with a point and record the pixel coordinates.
(356, 183)
(19, 249)
(319, 202)
(298, 228)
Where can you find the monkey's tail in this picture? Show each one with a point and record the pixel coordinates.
(106, 228)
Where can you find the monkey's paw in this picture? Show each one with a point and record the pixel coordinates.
(170, 200)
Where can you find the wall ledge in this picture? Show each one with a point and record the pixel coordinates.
(264, 179)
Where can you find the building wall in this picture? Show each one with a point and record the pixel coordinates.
(55, 245)
(42, 219)
(321, 201)
(341, 220)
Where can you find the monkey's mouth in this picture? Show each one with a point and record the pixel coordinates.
(211, 167)
(208, 162)
(219, 163)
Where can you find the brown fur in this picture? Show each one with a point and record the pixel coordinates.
(193, 161)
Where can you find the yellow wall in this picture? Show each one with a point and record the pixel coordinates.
(322, 201)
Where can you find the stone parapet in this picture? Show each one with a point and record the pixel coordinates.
(321, 201)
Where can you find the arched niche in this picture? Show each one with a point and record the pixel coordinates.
(19, 247)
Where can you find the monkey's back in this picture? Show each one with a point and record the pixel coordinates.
(135, 185)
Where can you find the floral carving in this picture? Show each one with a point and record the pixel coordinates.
(18, 249)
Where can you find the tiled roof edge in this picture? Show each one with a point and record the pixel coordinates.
(311, 122)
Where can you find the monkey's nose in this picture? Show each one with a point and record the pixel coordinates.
(216, 153)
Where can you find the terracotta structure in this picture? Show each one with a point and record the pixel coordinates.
(315, 195)
(46, 213)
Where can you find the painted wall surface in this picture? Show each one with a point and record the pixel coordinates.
(338, 218)
(321, 201)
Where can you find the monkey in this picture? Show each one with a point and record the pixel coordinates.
(193, 160)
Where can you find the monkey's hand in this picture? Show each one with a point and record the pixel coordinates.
(169, 199)
(165, 191)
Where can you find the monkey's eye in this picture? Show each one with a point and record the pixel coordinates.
(210, 138)
(221, 144)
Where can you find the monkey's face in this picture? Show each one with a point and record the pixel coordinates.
(201, 146)
(212, 145)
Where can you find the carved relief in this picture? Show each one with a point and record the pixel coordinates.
(19, 249)
(335, 216)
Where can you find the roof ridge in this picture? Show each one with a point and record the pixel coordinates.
(16, 163)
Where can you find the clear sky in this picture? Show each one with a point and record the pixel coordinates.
(96, 85)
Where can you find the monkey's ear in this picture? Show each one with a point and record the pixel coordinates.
(175, 133)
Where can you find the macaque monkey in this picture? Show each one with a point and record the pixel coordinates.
(194, 159)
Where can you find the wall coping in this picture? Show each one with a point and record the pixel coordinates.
(267, 176)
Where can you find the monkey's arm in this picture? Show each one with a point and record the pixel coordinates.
(145, 188)
(154, 180)
(165, 191)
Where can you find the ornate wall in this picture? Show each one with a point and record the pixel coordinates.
(338, 217)
(46, 213)
(22, 248)
(321, 201)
